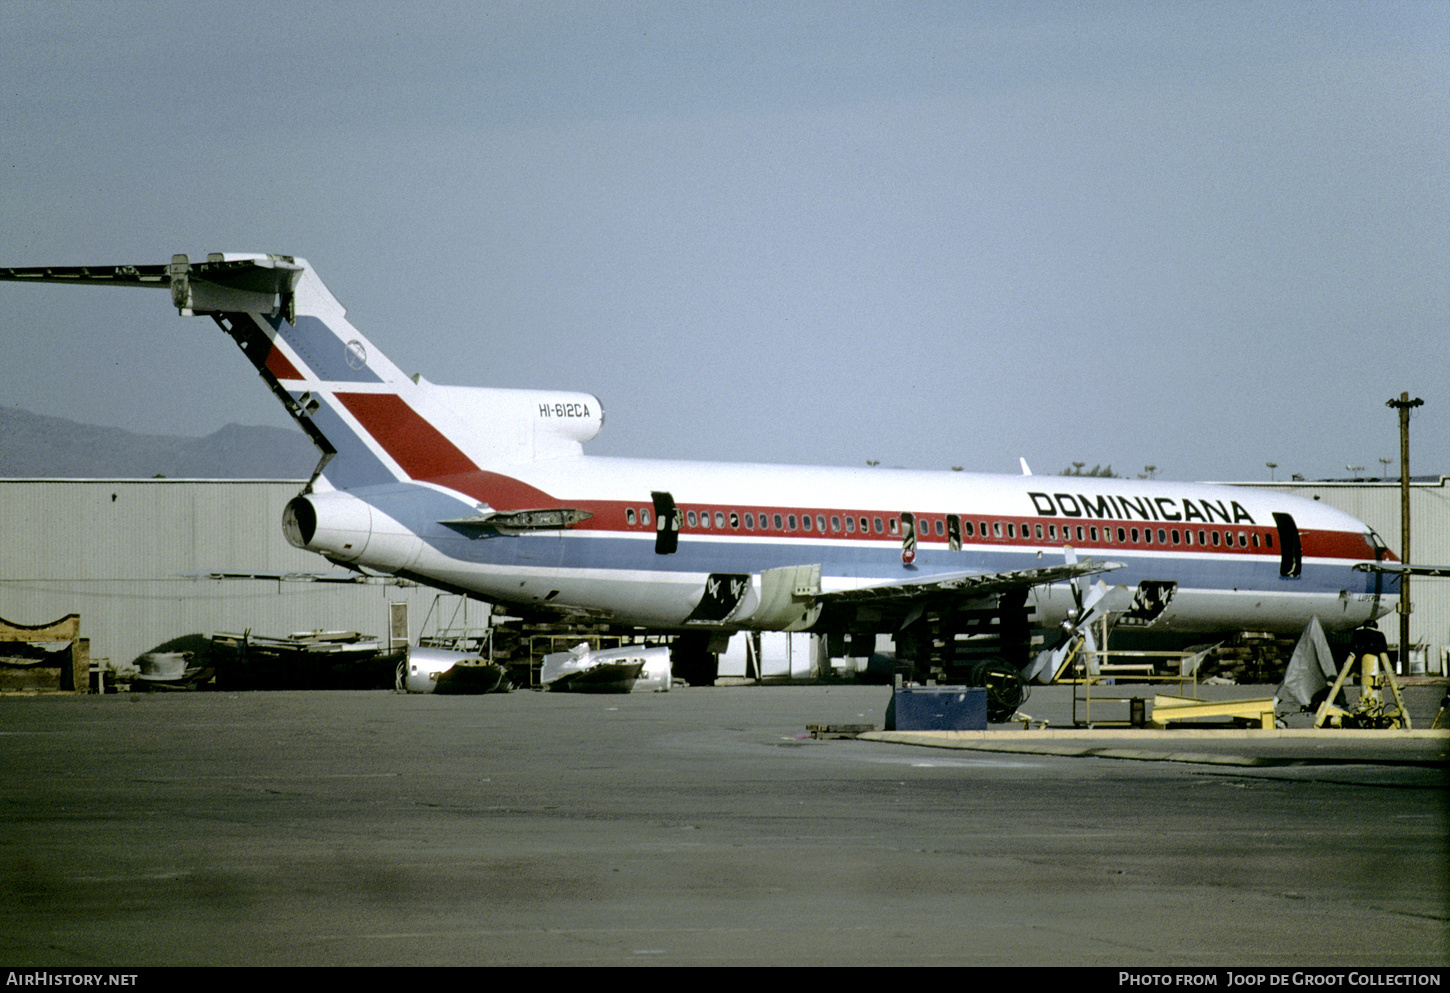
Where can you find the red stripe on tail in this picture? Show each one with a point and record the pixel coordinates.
(425, 453)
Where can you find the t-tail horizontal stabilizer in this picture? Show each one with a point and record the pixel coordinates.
(260, 284)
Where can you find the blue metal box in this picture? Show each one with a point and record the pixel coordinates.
(937, 708)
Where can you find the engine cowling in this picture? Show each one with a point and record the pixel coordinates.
(347, 529)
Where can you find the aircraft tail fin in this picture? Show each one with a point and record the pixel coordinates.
(372, 423)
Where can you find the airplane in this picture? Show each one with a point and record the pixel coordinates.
(487, 492)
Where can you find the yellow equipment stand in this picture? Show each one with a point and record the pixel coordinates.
(1370, 711)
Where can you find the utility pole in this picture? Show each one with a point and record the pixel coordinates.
(1404, 405)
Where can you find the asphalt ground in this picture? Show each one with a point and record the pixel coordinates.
(697, 827)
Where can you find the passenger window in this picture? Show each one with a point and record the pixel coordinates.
(778, 523)
(734, 520)
(719, 519)
(1215, 538)
(820, 522)
(1037, 529)
(691, 518)
(940, 530)
(1012, 530)
(629, 516)
(850, 525)
(996, 529)
(836, 522)
(644, 515)
(967, 526)
(1175, 536)
(1122, 535)
(877, 522)
(1092, 531)
(805, 522)
(749, 521)
(1162, 537)
(790, 522)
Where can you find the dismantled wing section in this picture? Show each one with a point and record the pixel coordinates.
(968, 584)
(301, 577)
(1404, 569)
(488, 520)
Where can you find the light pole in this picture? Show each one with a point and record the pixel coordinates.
(1272, 466)
(1404, 405)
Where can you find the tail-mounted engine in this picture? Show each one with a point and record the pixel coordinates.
(346, 529)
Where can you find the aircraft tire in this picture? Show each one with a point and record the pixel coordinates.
(1005, 689)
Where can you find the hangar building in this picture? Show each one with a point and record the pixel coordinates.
(124, 554)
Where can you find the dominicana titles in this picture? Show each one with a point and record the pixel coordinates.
(1123, 508)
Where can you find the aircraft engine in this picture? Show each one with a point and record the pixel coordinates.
(346, 529)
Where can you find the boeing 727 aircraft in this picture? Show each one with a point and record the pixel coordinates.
(488, 492)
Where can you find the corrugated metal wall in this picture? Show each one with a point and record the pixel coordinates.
(117, 551)
(1378, 505)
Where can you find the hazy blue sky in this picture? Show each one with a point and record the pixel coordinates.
(1204, 236)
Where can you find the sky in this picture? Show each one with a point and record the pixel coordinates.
(1201, 237)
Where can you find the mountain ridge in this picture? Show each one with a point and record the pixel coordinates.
(40, 446)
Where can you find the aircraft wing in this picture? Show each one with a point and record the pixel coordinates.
(1404, 568)
(967, 585)
(302, 577)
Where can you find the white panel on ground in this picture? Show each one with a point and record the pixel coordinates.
(733, 660)
(787, 654)
(774, 654)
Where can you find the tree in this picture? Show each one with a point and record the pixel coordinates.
(1105, 471)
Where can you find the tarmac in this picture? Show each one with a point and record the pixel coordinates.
(704, 826)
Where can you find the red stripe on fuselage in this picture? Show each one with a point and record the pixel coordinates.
(426, 454)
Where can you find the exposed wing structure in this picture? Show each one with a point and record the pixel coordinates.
(1404, 569)
(967, 585)
(302, 577)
